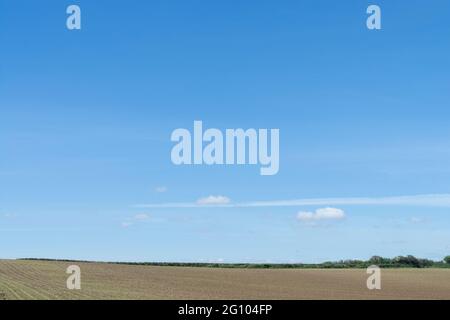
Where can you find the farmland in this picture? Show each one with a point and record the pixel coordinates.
(21, 279)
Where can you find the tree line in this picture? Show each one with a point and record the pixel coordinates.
(408, 261)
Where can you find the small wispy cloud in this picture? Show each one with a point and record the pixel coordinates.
(417, 220)
(321, 214)
(213, 200)
(141, 217)
(427, 200)
(161, 189)
(126, 224)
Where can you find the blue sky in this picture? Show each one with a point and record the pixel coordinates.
(86, 118)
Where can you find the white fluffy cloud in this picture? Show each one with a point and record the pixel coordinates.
(213, 200)
(321, 214)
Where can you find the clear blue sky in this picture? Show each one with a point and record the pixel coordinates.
(86, 118)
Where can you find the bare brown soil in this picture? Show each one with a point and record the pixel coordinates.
(47, 280)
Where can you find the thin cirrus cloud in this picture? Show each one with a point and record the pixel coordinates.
(321, 214)
(424, 200)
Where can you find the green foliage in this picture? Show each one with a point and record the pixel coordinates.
(397, 262)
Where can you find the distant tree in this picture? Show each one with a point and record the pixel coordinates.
(447, 259)
(424, 263)
(376, 260)
(408, 261)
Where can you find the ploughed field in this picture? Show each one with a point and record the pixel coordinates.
(47, 280)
